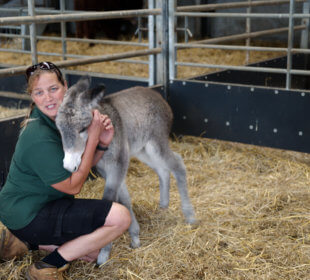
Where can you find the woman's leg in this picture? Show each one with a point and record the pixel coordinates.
(83, 221)
(116, 223)
(48, 248)
(91, 257)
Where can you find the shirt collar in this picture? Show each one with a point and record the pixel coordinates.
(36, 113)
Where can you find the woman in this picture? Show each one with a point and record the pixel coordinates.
(37, 203)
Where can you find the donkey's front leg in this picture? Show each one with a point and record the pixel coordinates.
(134, 229)
(123, 198)
(104, 254)
(114, 177)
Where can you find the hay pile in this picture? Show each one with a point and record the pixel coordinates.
(6, 112)
(253, 204)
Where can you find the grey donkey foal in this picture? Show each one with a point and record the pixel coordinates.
(142, 120)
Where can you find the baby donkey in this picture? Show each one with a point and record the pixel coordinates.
(142, 120)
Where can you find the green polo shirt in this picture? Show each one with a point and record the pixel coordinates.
(37, 163)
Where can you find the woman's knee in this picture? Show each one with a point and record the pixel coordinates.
(118, 216)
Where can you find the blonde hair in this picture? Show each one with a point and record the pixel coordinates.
(36, 74)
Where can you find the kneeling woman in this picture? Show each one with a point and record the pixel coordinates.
(37, 201)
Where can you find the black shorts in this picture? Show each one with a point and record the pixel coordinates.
(63, 220)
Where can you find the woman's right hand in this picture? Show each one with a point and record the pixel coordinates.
(96, 127)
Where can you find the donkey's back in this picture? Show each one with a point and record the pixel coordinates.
(144, 115)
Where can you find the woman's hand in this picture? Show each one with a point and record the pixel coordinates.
(107, 133)
(96, 127)
(101, 129)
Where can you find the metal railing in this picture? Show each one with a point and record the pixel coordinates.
(200, 11)
(162, 45)
(41, 16)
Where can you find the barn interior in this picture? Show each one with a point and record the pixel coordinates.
(242, 134)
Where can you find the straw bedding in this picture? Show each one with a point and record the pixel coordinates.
(252, 204)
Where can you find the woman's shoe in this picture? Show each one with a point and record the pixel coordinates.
(11, 246)
(44, 271)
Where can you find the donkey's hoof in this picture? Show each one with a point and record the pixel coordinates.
(192, 221)
(104, 255)
(135, 244)
(164, 205)
(102, 259)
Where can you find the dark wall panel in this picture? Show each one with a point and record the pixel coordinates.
(259, 116)
(9, 130)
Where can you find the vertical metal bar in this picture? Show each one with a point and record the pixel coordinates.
(22, 30)
(185, 29)
(172, 40)
(197, 30)
(63, 31)
(162, 42)
(33, 33)
(151, 38)
(248, 30)
(290, 43)
(139, 29)
(159, 39)
(304, 40)
(165, 47)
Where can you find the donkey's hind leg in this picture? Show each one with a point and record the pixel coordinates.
(163, 175)
(177, 167)
(163, 160)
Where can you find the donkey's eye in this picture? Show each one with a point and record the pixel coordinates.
(83, 129)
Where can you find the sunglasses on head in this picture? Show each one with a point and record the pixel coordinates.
(43, 66)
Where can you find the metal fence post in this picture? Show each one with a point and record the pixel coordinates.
(159, 43)
(33, 33)
(63, 31)
(248, 30)
(290, 43)
(151, 37)
(172, 40)
(22, 30)
(162, 40)
(304, 40)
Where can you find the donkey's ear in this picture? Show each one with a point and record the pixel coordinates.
(98, 90)
(97, 93)
(83, 83)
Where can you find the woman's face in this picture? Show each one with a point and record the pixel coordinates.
(47, 93)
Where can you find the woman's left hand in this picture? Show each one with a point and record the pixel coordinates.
(107, 133)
